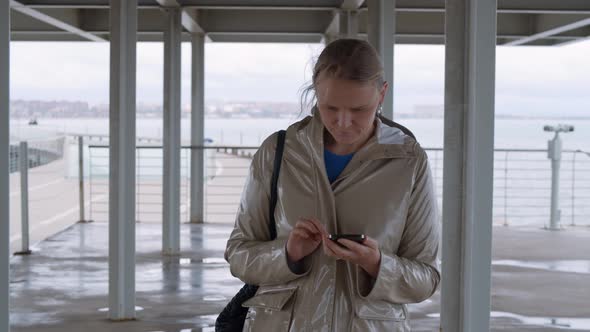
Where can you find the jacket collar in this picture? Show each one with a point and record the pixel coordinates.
(386, 143)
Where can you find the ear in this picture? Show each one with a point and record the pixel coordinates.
(382, 92)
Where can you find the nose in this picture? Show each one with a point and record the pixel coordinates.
(344, 119)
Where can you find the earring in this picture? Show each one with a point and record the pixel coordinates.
(379, 109)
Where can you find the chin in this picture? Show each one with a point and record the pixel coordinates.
(346, 140)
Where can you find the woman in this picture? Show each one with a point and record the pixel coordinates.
(345, 170)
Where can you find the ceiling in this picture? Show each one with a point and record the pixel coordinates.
(520, 22)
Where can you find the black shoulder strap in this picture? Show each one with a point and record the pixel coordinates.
(275, 179)
(391, 123)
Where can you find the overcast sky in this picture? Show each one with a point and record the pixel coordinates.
(529, 80)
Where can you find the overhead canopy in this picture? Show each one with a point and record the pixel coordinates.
(520, 22)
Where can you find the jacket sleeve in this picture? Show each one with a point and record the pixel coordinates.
(252, 256)
(412, 275)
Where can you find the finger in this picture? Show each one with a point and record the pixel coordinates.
(340, 251)
(328, 251)
(371, 243)
(308, 225)
(300, 232)
(353, 246)
(318, 225)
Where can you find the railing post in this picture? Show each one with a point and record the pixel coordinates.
(24, 198)
(90, 193)
(554, 153)
(506, 188)
(137, 184)
(81, 178)
(574, 189)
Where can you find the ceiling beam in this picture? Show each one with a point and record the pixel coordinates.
(547, 26)
(504, 6)
(262, 37)
(333, 30)
(263, 21)
(339, 24)
(36, 14)
(168, 3)
(188, 18)
(352, 4)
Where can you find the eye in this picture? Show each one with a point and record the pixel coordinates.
(332, 108)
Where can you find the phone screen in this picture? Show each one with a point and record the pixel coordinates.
(358, 238)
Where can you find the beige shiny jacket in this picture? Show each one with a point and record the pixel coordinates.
(385, 192)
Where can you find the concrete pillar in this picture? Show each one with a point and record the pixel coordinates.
(197, 185)
(122, 160)
(381, 30)
(4, 165)
(468, 164)
(171, 187)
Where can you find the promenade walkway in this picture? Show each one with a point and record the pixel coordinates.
(539, 282)
(537, 276)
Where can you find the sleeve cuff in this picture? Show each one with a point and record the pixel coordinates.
(296, 269)
(367, 286)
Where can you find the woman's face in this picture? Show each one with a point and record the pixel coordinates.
(347, 109)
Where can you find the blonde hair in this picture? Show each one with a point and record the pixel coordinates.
(346, 59)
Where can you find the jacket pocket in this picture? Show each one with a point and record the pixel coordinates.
(380, 310)
(271, 309)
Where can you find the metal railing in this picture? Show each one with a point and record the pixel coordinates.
(40, 152)
(39, 163)
(522, 184)
(148, 191)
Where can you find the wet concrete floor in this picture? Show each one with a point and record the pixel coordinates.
(540, 282)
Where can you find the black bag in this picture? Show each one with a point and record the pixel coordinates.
(232, 318)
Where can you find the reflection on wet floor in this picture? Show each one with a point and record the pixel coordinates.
(573, 266)
(61, 286)
(554, 322)
(202, 329)
(206, 323)
(137, 308)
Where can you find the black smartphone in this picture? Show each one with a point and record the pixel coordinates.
(358, 238)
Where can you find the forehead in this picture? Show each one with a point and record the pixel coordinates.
(347, 93)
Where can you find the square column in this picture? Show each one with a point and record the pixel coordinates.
(468, 164)
(171, 182)
(381, 29)
(4, 164)
(122, 120)
(197, 214)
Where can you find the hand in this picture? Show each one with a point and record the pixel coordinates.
(366, 255)
(304, 239)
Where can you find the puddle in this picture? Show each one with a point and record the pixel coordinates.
(200, 329)
(555, 322)
(208, 260)
(212, 298)
(107, 309)
(564, 323)
(214, 260)
(572, 266)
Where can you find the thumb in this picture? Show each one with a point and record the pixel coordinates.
(371, 243)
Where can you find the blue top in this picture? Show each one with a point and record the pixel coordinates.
(335, 164)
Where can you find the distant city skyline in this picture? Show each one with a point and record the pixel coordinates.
(544, 81)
